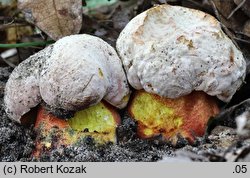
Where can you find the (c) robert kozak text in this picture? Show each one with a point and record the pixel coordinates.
(26, 169)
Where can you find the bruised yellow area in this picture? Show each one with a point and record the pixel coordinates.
(155, 116)
(100, 73)
(96, 118)
(96, 121)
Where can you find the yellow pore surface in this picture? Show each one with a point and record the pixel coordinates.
(97, 121)
(185, 116)
(154, 116)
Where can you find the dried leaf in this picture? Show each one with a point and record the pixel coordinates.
(56, 18)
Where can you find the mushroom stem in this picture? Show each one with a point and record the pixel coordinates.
(98, 122)
(185, 116)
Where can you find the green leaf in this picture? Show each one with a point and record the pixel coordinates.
(28, 44)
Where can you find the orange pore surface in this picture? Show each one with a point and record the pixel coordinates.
(185, 116)
(49, 121)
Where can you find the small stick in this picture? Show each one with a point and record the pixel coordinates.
(6, 26)
(237, 8)
(242, 40)
(222, 25)
(8, 62)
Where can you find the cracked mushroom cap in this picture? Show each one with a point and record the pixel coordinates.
(172, 50)
(74, 73)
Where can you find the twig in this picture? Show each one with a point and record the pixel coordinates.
(242, 40)
(3, 27)
(10, 19)
(237, 8)
(215, 10)
(227, 31)
(8, 62)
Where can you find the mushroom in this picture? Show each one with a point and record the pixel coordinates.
(172, 51)
(76, 72)
(178, 56)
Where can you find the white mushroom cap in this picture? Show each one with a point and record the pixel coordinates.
(172, 50)
(74, 73)
(81, 71)
(22, 89)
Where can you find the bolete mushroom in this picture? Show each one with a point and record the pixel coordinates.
(75, 73)
(172, 51)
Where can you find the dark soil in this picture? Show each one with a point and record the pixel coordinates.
(16, 142)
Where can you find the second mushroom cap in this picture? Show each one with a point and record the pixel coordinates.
(172, 50)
